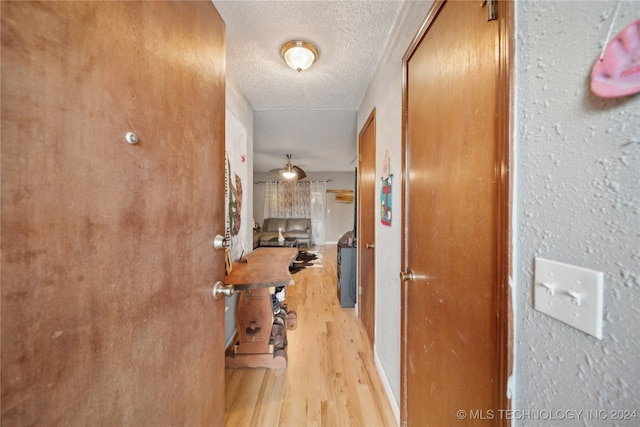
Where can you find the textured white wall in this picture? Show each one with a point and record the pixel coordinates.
(385, 95)
(242, 110)
(577, 201)
(238, 105)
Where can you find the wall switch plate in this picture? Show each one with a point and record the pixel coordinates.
(573, 295)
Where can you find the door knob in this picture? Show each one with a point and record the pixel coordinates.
(407, 276)
(219, 243)
(219, 289)
(370, 245)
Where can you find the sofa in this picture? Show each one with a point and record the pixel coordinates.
(300, 228)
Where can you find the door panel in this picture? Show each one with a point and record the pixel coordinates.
(366, 228)
(451, 329)
(107, 314)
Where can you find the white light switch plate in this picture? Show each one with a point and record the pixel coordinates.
(570, 294)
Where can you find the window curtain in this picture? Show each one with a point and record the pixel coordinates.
(317, 207)
(293, 199)
(306, 199)
(271, 200)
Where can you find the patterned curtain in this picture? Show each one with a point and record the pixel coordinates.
(299, 200)
(293, 200)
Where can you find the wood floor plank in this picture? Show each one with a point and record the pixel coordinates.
(331, 378)
(243, 399)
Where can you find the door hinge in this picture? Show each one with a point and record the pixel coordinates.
(492, 15)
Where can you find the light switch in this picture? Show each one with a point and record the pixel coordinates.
(570, 294)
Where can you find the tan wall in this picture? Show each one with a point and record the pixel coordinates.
(106, 260)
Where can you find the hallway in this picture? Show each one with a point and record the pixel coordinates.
(331, 379)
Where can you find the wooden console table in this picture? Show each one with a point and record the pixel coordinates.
(256, 279)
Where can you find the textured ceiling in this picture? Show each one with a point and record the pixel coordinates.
(312, 114)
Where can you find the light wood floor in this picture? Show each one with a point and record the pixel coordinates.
(331, 378)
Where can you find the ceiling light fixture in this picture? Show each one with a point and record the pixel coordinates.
(299, 54)
(289, 173)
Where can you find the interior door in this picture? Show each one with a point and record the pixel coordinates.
(454, 242)
(107, 265)
(366, 227)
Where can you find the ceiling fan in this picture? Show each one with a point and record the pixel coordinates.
(290, 171)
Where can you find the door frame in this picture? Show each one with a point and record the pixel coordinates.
(504, 253)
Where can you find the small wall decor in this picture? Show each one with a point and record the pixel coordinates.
(343, 196)
(617, 72)
(385, 192)
(235, 204)
(227, 199)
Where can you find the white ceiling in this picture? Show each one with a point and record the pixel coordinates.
(312, 114)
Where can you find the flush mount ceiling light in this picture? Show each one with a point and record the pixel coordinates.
(299, 54)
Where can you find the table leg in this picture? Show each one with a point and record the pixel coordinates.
(254, 321)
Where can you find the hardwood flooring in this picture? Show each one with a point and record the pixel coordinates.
(331, 378)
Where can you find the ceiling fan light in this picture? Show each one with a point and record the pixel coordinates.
(299, 54)
(289, 174)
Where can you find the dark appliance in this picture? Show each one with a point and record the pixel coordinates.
(347, 289)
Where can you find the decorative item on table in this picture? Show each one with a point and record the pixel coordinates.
(280, 236)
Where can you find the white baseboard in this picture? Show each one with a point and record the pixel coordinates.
(387, 388)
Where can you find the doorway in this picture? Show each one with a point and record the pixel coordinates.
(455, 231)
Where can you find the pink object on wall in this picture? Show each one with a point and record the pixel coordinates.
(617, 73)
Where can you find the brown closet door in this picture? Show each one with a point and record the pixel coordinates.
(452, 228)
(366, 229)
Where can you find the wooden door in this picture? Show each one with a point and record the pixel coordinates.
(107, 265)
(366, 227)
(454, 238)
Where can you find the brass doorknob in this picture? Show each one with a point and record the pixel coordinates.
(407, 276)
(370, 245)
